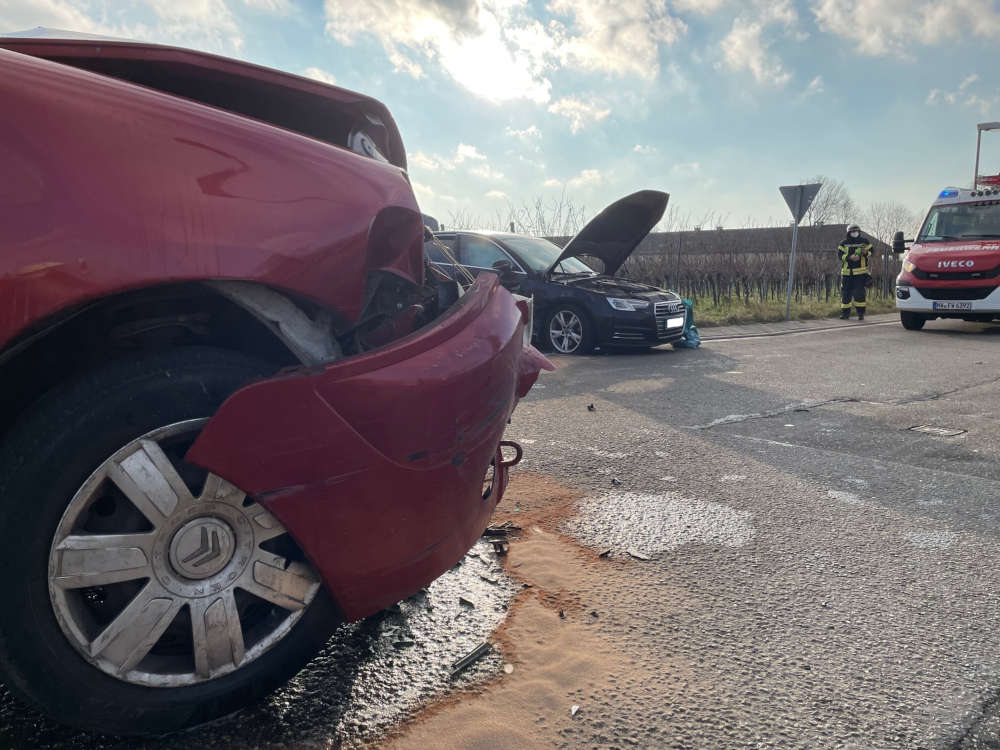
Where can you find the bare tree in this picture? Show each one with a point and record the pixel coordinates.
(832, 205)
(882, 219)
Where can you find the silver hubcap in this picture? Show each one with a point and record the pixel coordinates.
(160, 587)
(566, 331)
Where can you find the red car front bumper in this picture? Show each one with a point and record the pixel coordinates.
(375, 464)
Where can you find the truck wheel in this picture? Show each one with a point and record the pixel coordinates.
(912, 321)
(569, 331)
(143, 594)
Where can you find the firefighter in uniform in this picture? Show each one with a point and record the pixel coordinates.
(855, 254)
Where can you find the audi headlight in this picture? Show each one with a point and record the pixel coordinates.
(631, 305)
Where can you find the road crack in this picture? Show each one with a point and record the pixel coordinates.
(801, 406)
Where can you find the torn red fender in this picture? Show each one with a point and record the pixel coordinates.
(375, 464)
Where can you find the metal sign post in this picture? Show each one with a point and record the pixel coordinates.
(979, 139)
(798, 198)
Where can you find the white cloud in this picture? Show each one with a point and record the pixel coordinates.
(280, 7)
(465, 152)
(704, 7)
(552, 183)
(622, 37)
(21, 15)
(744, 49)
(966, 96)
(815, 87)
(496, 195)
(579, 113)
(528, 134)
(891, 27)
(423, 192)
(422, 161)
(486, 172)
(491, 47)
(587, 178)
(318, 74)
(640, 149)
(968, 81)
(531, 162)
(498, 50)
(200, 24)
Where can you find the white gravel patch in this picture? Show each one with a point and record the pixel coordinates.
(650, 524)
(932, 539)
(849, 498)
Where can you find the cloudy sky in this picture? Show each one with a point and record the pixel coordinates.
(715, 101)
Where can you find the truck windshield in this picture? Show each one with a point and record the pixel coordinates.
(961, 221)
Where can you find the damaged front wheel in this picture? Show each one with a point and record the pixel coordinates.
(149, 595)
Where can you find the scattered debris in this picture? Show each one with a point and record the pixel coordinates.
(616, 481)
(573, 709)
(500, 548)
(403, 644)
(489, 579)
(562, 615)
(466, 602)
(591, 407)
(470, 658)
(638, 555)
(526, 586)
(593, 613)
(500, 531)
(508, 668)
(605, 553)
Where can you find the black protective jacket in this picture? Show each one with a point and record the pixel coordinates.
(859, 246)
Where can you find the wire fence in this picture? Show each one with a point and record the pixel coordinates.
(749, 277)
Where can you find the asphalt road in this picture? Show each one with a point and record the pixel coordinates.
(819, 576)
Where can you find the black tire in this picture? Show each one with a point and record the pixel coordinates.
(912, 321)
(586, 332)
(43, 461)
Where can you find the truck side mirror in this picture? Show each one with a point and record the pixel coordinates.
(898, 243)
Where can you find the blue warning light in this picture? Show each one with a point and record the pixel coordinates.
(948, 194)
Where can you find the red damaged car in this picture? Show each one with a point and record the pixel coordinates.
(238, 407)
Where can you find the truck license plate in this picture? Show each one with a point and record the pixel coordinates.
(953, 306)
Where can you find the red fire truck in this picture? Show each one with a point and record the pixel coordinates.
(952, 268)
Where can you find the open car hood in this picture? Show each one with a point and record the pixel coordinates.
(614, 233)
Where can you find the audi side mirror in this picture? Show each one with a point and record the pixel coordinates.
(508, 276)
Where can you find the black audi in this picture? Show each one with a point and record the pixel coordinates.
(577, 307)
